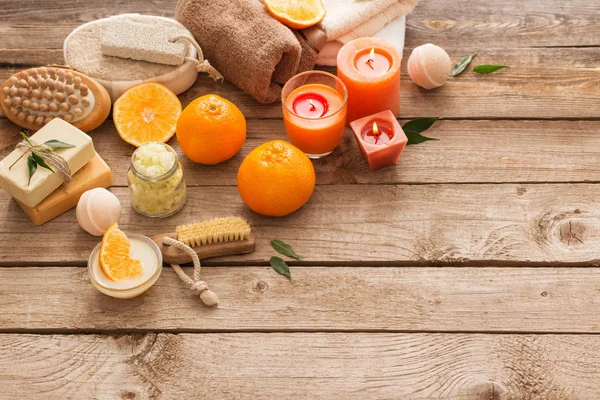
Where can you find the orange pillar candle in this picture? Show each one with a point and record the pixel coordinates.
(380, 138)
(314, 112)
(370, 69)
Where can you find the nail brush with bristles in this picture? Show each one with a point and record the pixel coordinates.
(212, 238)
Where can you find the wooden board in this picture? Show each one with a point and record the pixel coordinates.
(482, 24)
(468, 272)
(355, 299)
(301, 366)
(467, 152)
(384, 224)
(542, 83)
(454, 23)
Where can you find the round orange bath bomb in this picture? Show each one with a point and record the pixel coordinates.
(276, 179)
(429, 66)
(211, 129)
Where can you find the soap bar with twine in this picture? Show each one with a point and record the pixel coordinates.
(31, 189)
(144, 42)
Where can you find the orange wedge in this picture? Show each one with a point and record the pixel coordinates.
(115, 260)
(296, 14)
(146, 113)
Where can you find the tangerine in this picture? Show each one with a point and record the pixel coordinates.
(296, 14)
(115, 259)
(211, 129)
(146, 113)
(276, 179)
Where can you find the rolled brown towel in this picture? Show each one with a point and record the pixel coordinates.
(246, 45)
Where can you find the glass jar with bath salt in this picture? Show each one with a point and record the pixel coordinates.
(156, 181)
(143, 249)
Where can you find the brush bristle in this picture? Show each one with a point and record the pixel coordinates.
(218, 230)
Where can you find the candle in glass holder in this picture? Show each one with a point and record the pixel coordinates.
(370, 69)
(380, 138)
(314, 112)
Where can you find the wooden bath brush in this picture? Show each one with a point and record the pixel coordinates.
(35, 96)
(214, 238)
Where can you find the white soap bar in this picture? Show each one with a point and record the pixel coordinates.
(14, 180)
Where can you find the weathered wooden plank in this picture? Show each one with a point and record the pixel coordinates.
(543, 83)
(513, 23)
(468, 224)
(317, 299)
(27, 24)
(301, 366)
(469, 151)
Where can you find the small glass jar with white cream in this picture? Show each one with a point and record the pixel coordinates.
(157, 186)
(143, 249)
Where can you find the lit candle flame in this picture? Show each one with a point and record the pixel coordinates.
(312, 105)
(371, 58)
(375, 130)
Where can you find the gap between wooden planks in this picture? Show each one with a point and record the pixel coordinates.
(317, 299)
(510, 224)
(301, 366)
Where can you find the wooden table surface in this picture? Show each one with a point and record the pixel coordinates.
(469, 271)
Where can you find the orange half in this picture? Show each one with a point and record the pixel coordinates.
(115, 260)
(296, 14)
(146, 113)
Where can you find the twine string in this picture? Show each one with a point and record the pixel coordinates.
(202, 65)
(49, 156)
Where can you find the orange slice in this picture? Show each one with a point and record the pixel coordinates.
(115, 260)
(296, 14)
(146, 113)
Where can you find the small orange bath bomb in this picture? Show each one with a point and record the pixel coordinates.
(429, 66)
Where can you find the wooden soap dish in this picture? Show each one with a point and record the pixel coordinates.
(173, 255)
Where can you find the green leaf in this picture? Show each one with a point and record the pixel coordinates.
(32, 165)
(280, 266)
(285, 249)
(413, 130)
(26, 138)
(40, 161)
(57, 144)
(460, 66)
(488, 69)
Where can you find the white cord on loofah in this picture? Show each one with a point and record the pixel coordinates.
(202, 65)
(207, 296)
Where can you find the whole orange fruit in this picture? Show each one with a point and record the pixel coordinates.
(276, 179)
(211, 129)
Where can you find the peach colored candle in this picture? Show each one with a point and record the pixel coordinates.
(370, 69)
(314, 114)
(380, 138)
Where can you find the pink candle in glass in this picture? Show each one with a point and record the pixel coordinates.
(380, 139)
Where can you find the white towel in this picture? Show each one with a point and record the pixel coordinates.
(349, 19)
(392, 33)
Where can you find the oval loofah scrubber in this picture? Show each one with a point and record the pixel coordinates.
(83, 52)
(35, 96)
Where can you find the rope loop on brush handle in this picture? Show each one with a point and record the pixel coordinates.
(199, 287)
